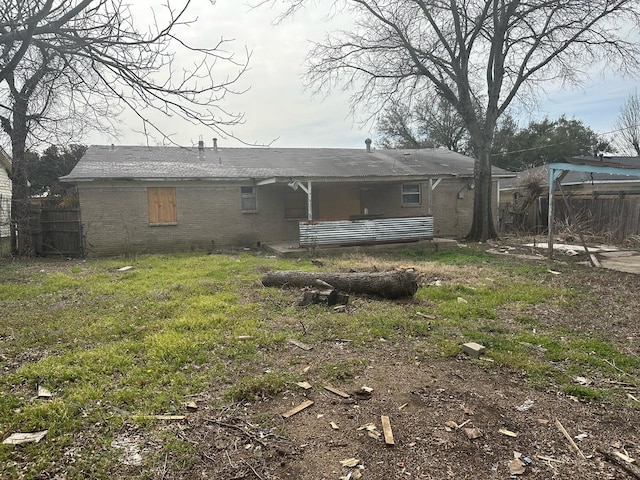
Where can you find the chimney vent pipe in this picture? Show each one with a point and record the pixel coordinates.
(200, 149)
(367, 142)
(215, 144)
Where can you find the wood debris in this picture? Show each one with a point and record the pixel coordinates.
(350, 462)
(549, 459)
(386, 429)
(375, 434)
(631, 468)
(568, 437)
(305, 385)
(297, 409)
(451, 424)
(126, 269)
(43, 392)
(159, 417)
(473, 433)
(338, 392)
(19, 438)
(623, 457)
(300, 345)
(191, 405)
(334, 425)
(508, 433)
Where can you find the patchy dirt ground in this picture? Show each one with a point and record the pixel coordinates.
(449, 418)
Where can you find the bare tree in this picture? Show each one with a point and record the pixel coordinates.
(628, 123)
(480, 56)
(66, 66)
(430, 122)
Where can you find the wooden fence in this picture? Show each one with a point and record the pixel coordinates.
(57, 231)
(615, 217)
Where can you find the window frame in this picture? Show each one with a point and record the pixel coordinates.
(249, 196)
(404, 194)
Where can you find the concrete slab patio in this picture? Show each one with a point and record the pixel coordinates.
(292, 249)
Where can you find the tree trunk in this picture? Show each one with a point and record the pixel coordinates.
(21, 231)
(393, 284)
(21, 234)
(482, 226)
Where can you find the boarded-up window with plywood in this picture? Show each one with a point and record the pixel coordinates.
(162, 206)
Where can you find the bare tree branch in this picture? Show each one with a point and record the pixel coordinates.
(480, 56)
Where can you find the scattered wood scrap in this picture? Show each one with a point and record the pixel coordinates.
(568, 437)
(300, 345)
(386, 430)
(392, 284)
(297, 409)
(43, 392)
(628, 467)
(472, 433)
(338, 392)
(159, 417)
(19, 438)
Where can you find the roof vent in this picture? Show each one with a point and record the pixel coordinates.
(200, 148)
(367, 142)
(215, 144)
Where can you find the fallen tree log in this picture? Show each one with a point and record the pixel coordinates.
(392, 284)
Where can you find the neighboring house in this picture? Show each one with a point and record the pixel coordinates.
(155, 199)
(5, 194)
(584, 188)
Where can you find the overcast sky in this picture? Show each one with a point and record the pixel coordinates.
(278, 109)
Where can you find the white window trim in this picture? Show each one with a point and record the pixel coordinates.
(253, 195)
(418, 193)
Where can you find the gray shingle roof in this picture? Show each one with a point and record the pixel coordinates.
(136, 162)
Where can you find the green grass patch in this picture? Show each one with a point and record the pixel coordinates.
(108, 343)
(254, 388)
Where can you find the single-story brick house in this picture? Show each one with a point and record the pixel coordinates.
(5, 194)
(137, 199)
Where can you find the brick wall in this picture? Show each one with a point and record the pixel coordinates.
(451, 207)
(116, 219)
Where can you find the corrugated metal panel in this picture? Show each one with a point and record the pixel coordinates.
(359, 232)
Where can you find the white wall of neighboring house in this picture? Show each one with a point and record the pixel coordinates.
(5, 200)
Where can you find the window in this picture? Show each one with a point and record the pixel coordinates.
(411, 194)
(248, 198)
(162, 206)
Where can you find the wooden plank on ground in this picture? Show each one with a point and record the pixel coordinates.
(301, 345)
(386, 430)
(340, 393)
(297, 409)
